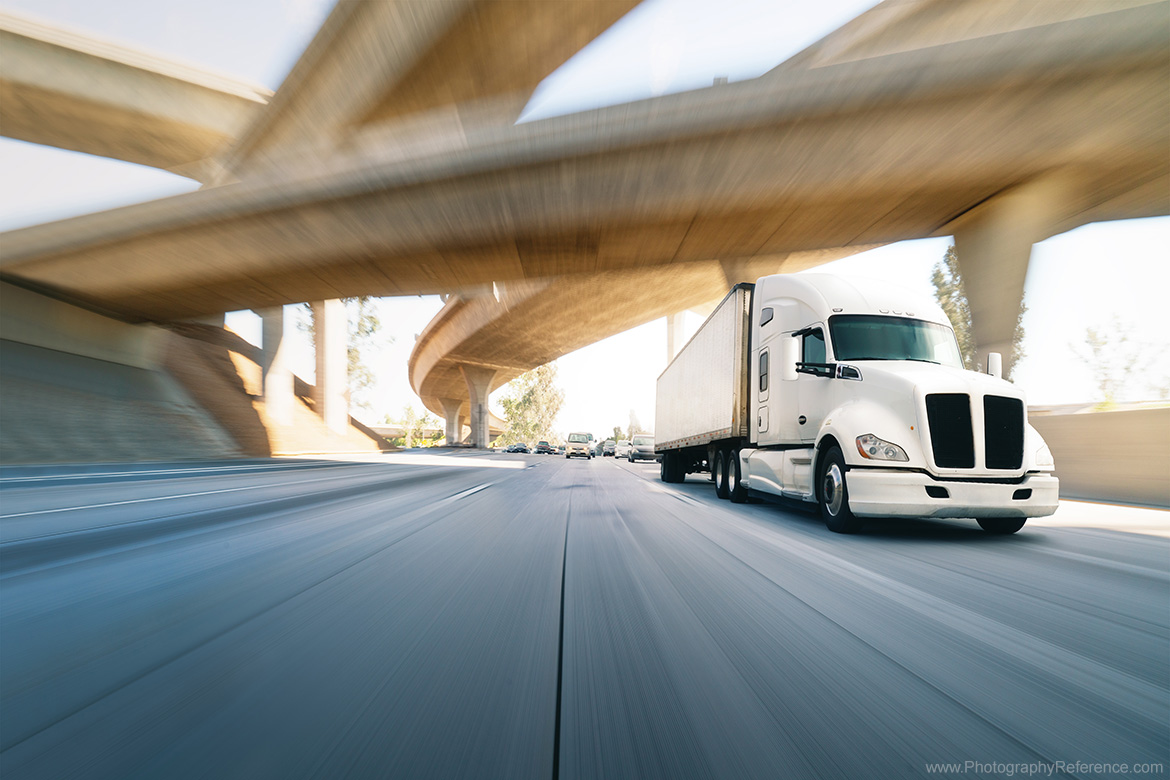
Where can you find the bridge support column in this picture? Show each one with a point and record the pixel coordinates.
(329, 395)
(278, 378)
(453, 419)
(675, 330)
(479, 384)
(993, 244)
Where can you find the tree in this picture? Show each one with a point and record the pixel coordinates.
(413, 427)
(1123, 367)
(948, 291)
(617, 433)
(531, 406)
(363, 322)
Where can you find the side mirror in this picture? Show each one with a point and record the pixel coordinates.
(995, 364)
(789, 354)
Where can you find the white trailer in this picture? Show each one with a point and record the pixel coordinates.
(851, 395)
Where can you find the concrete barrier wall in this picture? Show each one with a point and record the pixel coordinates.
(29, 318)
(1111, 456)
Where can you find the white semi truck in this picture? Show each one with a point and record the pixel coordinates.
(852, 395)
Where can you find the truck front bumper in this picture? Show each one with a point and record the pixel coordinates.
(890, 493)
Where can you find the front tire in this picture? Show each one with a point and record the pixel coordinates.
(1001, 526)
(833, 495)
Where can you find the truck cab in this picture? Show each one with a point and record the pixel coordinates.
(851, 394)
(871, 380)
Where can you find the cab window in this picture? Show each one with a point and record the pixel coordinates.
(813, 347)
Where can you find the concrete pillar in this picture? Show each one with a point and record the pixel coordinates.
(993, 243)
(453, 418)
(479, 382)
(675, 334)
(278, 378)
(329, 395)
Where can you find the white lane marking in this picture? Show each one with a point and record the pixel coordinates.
(161, 498)
(469, 492)
(195, 470)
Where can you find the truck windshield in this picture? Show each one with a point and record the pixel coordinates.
(578, 438)
(872, 337)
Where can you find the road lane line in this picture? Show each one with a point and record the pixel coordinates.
(160, 498)
(156, 472)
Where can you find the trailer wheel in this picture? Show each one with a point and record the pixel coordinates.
(833, 494)
(1001, 525)
(666, 468)
(735, 489)
(719, 470)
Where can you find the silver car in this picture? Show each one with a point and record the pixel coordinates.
(622, 448)
(642, 447)
(579, 444)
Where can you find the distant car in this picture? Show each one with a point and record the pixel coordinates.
(560, 449)
(607, 447)
(622, 448)
(517, 447)
(544, 448)
(642, 448)
(579, 445)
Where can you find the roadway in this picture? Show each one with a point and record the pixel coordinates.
(495, 616)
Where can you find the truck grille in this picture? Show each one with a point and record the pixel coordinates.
(951, 438)
(1003, 427)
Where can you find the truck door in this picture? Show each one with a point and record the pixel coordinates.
(814, 386)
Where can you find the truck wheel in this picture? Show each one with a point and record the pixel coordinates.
(670, 467)
(833, 495)
(1001, 525)
(719, 469)
(735, 488)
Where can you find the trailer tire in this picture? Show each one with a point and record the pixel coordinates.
(719, 469)
(1001, 525)
(671, 468)
(735, 488)
(833, 494)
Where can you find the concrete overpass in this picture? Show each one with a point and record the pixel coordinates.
(1001, 123)
(73, 91)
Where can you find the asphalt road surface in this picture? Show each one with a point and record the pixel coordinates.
(469, 616)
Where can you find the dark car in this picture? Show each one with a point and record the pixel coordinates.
(607, 447)
(544, 448)
(517, 447)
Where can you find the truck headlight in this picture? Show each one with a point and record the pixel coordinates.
(1044, 458)
(873, 448)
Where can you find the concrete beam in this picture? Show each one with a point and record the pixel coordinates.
(277, 375)
(331, 392)
(993, 244)
(479, 386)
(81, 93)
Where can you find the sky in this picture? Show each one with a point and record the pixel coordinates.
(1095, 275)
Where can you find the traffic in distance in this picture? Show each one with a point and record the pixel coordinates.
(585, 445)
